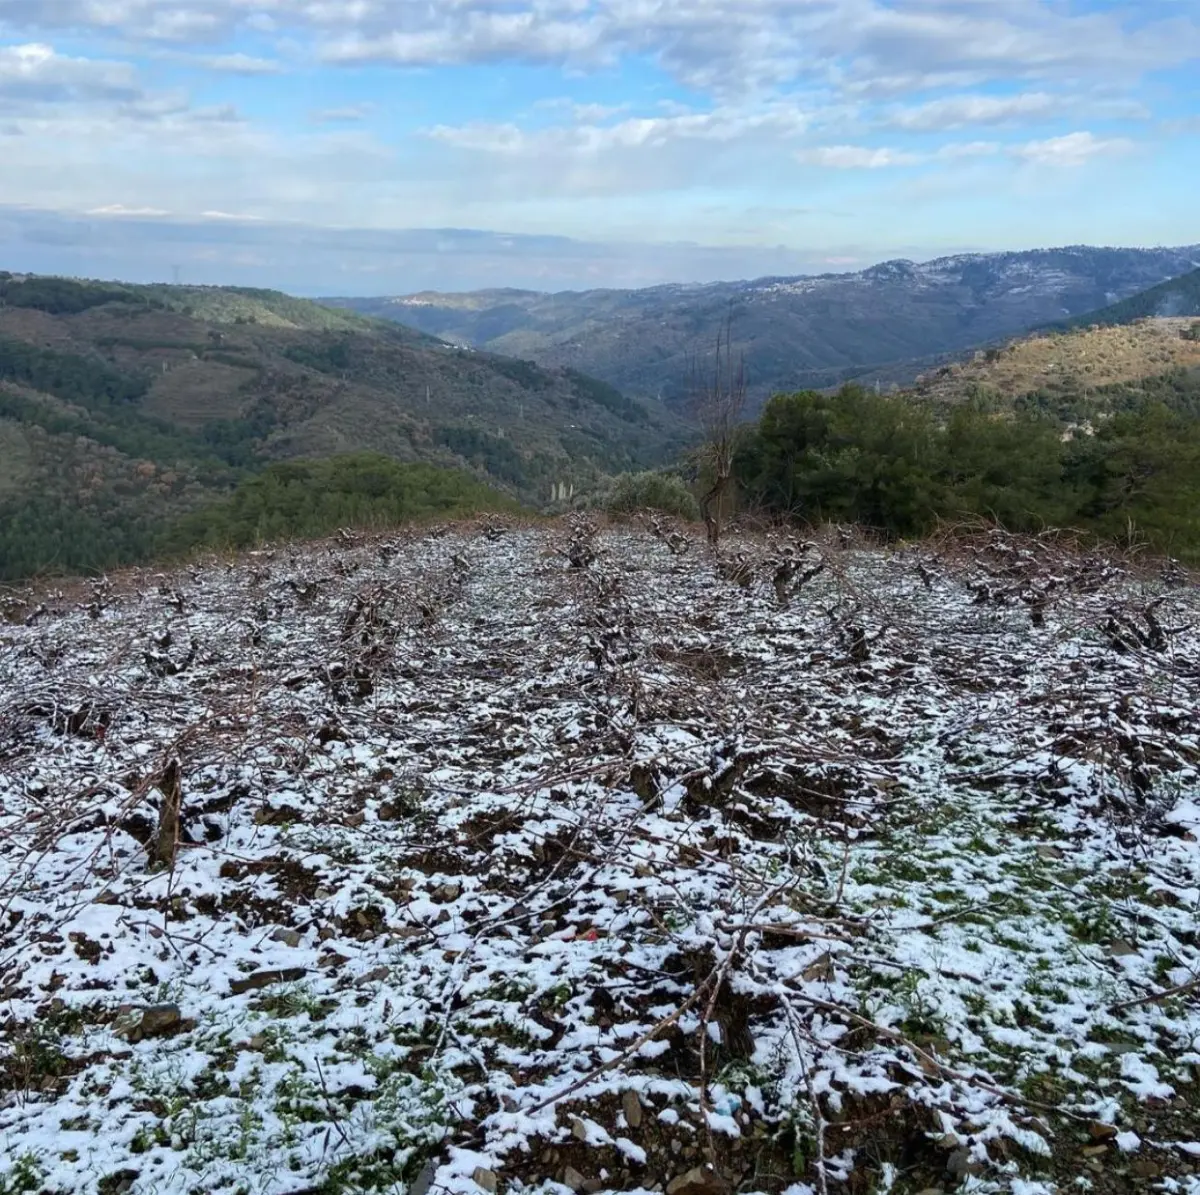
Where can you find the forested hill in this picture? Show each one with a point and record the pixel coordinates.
(122, 407)
(1176, 298)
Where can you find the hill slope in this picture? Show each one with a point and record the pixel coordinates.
(1175, 298)
(1068, 364)
(120, 405)
(795, 332)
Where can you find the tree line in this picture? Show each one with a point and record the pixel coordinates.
(897, 466)
(300, 499)
(311, 498)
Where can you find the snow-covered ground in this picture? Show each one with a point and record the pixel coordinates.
(495, 873)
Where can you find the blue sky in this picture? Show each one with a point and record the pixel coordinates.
(293, 142)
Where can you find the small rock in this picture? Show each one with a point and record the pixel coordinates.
(289, 937)
(278, 815)
(422, 1183)
(700, 1180)
(446, 893)
(158, 1020)
(1121, 949)
(326, 933)
(632, 1107)
(119, 1182)
(485, 1178)
(1050, 852)
(264, 979)
(375, 975)
(820, 969)
(1102, 1132)
(578, 1129)
(573, 1178)
(958, 1165)
(1094, 1151)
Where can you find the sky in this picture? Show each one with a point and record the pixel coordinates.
(387, 146)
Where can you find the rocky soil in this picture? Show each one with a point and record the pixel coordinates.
(556, 858)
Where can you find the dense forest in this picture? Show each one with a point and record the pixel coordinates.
(894, 465)
(314, 498)
(67, 296)
(292, 499)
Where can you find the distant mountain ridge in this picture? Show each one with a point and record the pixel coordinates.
(797, 331)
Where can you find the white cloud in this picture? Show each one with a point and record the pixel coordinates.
(348, 114)
(969, 149)
(720, 45)
(237, 217)
(630, 156)
(861, 157)
(36, 72)
(722, 125)
(856, 157)
(1070, 150)
(119, 209)
(243, 64)
(786, 97)
(962, 111)
(471, 33)
(157, 20)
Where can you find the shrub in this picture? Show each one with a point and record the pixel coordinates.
(651, 491)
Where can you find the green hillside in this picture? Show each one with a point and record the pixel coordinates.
(1121, 461)
(1176, 298)
(125, 407)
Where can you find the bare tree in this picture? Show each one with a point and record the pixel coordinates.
(720, 401)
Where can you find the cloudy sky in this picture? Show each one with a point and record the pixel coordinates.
(307, 143)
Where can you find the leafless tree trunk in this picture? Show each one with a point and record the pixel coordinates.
(169, 784)
(720, 402)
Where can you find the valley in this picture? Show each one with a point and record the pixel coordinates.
(122, 407)
(889, 322)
